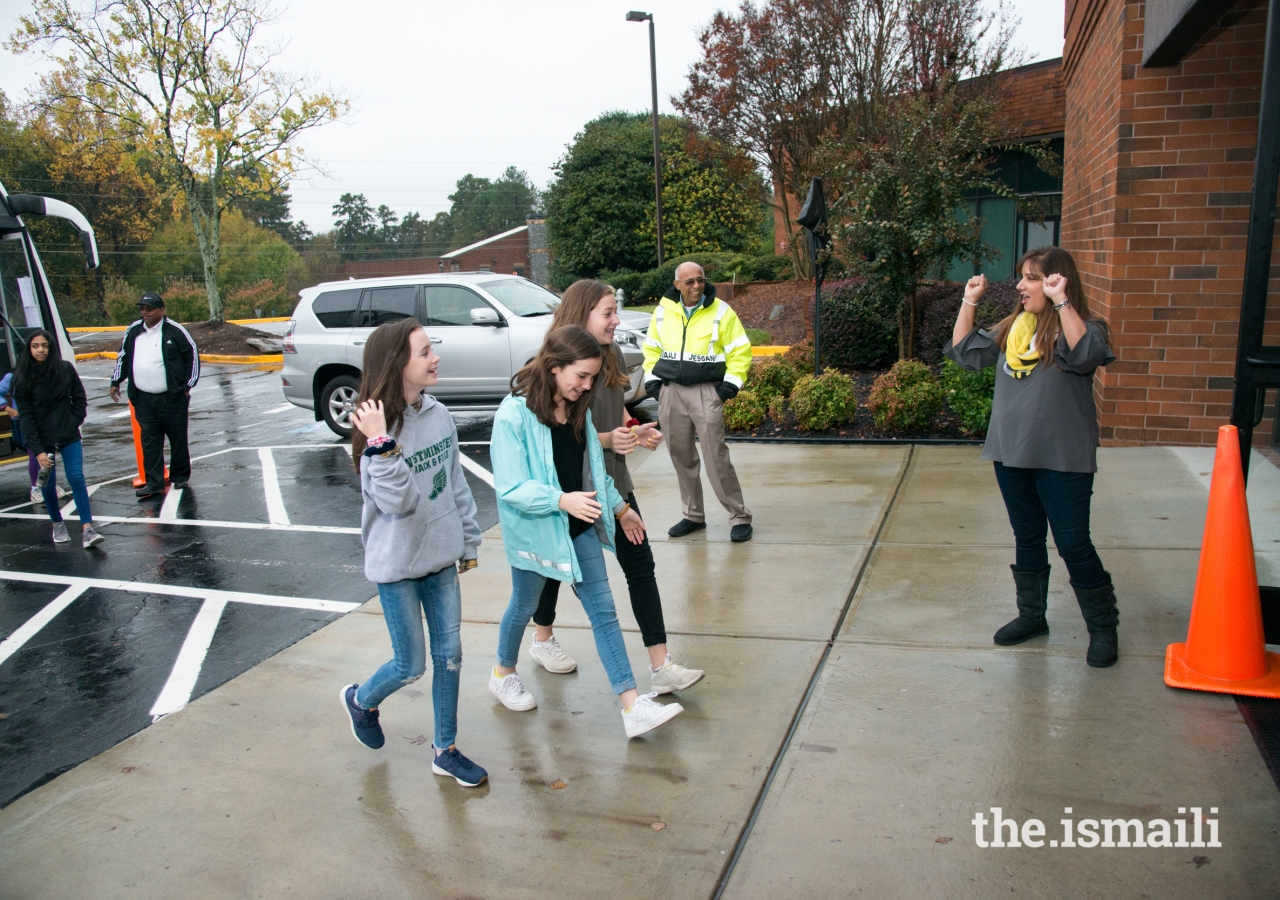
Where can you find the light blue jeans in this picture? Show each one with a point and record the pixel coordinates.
(72, 457)
(438, 597)
(597, 600)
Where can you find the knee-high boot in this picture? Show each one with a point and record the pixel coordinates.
(1098, 606)
(1033, 599)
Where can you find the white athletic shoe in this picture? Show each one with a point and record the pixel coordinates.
(646, 715)
(671, 676)
(63, 493)
(60, 535)
(549, 655)
(36, 496)
(91, 537)
(510, 692)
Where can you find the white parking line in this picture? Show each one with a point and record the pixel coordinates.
(476, 469)
(206, 523)
(119, 415)
(169, 509)
(13, 643)
(71, 505)
(280, 409)
(186, 668)
(276, 513)
(177, 590)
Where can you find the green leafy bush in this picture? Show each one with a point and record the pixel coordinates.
(906, 398)
(744, 412)
(184, 301)
(823, 402)
(772, 377)
(968, 395)
(859, 326)
(644, 288)
(800, 356)
(265, 296)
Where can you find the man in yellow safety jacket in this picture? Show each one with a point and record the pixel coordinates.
(695, 358)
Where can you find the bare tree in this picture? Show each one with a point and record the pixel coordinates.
(188, 80)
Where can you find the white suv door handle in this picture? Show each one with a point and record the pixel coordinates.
(357, 343)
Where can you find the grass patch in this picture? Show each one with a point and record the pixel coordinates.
(759, 337)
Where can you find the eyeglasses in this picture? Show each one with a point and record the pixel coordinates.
(690, 282)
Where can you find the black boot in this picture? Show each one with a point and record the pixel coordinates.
(1098, 606)
(1033, 600)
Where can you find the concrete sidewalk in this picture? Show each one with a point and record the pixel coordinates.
(916, 722)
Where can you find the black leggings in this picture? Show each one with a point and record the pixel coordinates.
(637, 564)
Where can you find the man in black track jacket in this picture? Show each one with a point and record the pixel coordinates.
(162, 364)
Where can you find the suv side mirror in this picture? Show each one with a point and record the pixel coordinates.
(485, 316)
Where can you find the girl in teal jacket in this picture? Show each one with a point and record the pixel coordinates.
(553, 493)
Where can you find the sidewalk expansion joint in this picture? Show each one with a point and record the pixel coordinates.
(904, 472)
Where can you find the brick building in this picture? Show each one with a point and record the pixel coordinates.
(1161, 128)
(518, 251)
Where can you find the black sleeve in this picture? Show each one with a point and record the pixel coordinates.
(79, 400)
(30, 422)
(123, 360)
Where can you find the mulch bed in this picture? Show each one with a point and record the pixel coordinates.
(755, 302)
(221, 338)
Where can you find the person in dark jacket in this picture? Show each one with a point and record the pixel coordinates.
(52, 396)
(162, 364)
(1043, 437)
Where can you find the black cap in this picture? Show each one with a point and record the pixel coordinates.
(149, 299)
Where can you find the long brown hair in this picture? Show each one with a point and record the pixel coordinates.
(575, 308)
(536, 383)
(385, 356)
(1046, 261)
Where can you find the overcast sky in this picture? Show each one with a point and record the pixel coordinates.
(441, 88)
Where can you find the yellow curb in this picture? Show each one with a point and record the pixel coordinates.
(103, 355)
(260, 321)
(251, 360)
(87, 330)
(769, 351)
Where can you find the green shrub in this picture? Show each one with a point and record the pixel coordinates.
(906, 398)
(644, 288)
(265, 295)
(778, 409)
(968, 395)
(859, 326)
(800, 356)
(744, 412)
(823, 402)
(772, 377)
(184, 301)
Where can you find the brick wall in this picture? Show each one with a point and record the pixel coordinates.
(1034, 97)
(1158, 168)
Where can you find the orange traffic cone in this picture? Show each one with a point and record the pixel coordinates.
(141, 478)
(1225, 649)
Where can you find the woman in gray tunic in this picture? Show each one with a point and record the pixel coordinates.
(1043, 437)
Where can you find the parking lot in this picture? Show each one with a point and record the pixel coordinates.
(189, 590)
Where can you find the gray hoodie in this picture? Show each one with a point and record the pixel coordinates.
(419, 515)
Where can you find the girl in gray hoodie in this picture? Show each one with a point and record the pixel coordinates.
(419, 530)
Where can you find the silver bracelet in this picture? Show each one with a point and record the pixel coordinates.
(967, 303)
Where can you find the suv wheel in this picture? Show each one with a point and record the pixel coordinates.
(338, 402)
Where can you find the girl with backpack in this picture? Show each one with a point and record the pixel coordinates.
(419, 530)
(559, 509)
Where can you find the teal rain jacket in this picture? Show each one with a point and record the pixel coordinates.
(535, 530)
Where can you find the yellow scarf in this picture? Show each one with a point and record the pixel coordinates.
(1019, 357)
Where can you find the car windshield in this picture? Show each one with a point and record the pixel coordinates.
(524, 298)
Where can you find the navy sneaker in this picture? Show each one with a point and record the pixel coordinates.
(364, 722)
(462, 770)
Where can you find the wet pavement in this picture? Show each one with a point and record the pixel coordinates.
(854, 719)
(264, 540)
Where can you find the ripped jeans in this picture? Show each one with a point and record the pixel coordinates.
(437, 596)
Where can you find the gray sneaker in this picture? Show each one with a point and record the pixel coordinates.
(60, 535)
(672, 676)
(91, 537)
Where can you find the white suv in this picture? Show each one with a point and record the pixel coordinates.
(486, 327)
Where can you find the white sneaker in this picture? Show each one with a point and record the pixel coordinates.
(646, 715)
(60, 535)
(91, 537)
(63, 493)
(510, 692)
(36, 496)
(671, 676)
(549, 655)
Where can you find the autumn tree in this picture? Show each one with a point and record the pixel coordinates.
(188, 81)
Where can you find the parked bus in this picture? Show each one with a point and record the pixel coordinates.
(26, 300)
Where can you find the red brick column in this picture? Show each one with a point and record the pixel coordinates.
(1158, 167)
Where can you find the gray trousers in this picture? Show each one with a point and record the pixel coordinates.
(688, 410)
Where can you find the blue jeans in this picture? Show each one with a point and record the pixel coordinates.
(1035, 498)
(597, 600)
(437, 596)
(72, 456)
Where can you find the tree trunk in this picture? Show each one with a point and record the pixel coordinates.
(911, 335)
(207, 223)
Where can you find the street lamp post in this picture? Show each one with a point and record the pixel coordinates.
(635, 16)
